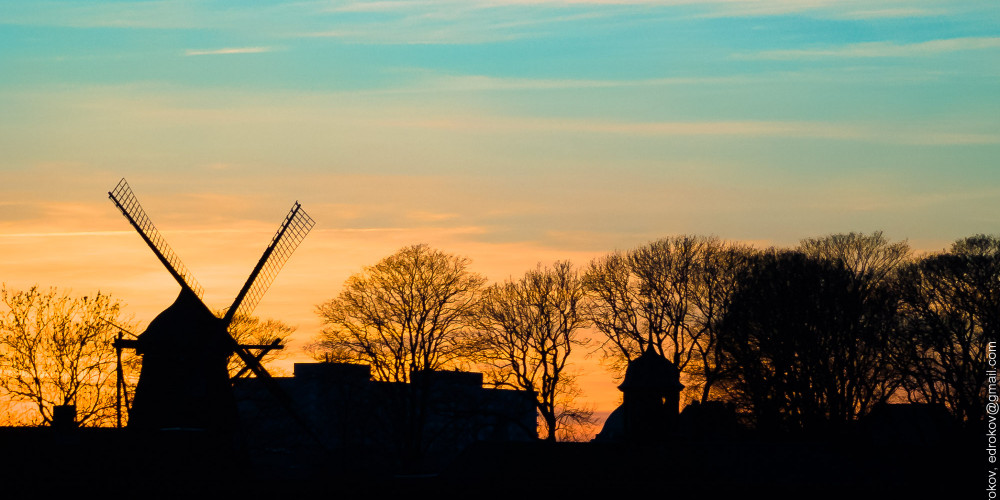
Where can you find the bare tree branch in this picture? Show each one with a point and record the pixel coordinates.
(409, 312)
(56, 350)
(528, 330)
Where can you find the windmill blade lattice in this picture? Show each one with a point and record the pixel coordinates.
(293, 230)
(129, 205)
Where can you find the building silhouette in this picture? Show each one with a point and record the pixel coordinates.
(423, 424)
(650, 400)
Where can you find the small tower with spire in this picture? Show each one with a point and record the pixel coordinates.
(651, 396)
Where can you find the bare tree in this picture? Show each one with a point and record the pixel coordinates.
(528, 330)
(57, 350)
(671, 291)
(951, 308)
(409, 312)
(808, 341)
(645, 293)
(616, 309)
(719, 268)
(876, 263)
(871, 256)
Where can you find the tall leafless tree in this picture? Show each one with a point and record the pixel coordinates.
(56, 349)
(409, 312)
(719, 268)
(951, 305)
(876, 263)
(529, 327)
(809, 343)
(671, 291)
(870, 256)
(645, 293)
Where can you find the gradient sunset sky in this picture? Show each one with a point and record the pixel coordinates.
(512, 132)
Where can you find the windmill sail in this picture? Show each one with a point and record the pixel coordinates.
(126, 201)
(292, 231)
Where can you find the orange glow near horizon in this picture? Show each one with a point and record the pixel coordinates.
(85, 247)
(117, 261)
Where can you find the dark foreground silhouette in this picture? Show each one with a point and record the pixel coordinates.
(112, 462)
(367, 439)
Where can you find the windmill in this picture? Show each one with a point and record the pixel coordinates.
(184, 382)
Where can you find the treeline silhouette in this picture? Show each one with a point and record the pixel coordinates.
(803, 339)
(809, 338)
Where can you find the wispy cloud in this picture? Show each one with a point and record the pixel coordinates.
(425, 16)
(881, 49)
(226, 51)
(866, 132)
(828, 9)
(482, 82)
(157, 14)
(451, 22)
(489, 21)
(891, 13)
(853, 9)
(420, 80)
(435, 21)
(380, 6)
(55, 234)
(494, 124)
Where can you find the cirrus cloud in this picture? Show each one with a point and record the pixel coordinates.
(227, 51)
(881, 49)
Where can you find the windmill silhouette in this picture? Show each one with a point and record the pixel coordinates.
(184, 381)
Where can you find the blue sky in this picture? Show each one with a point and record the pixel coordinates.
(509, 131)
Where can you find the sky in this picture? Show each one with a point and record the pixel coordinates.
(512, 132)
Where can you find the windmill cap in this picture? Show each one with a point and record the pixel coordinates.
(651, 371)
(187, 323)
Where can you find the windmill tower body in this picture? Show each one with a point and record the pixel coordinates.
(184, 382)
